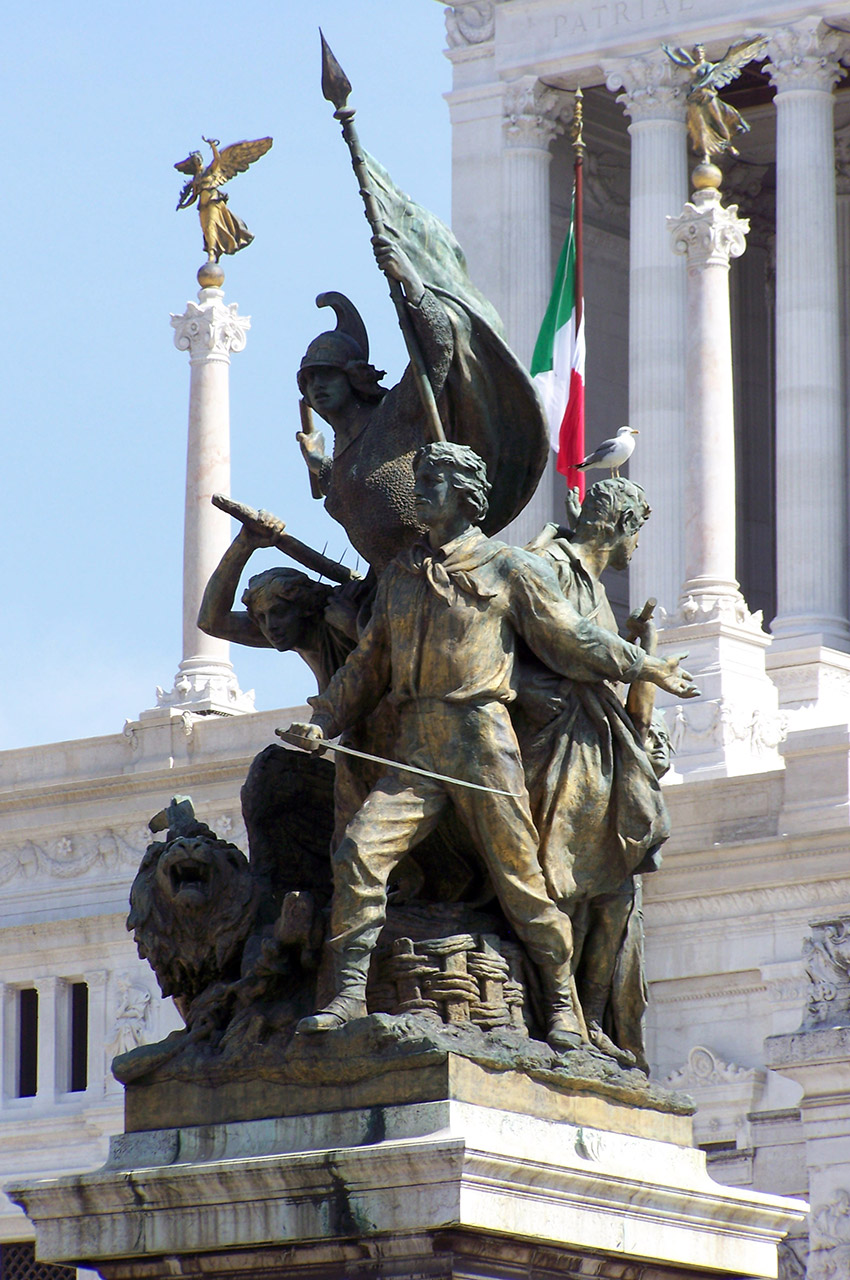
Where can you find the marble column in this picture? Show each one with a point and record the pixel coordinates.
(734, 728)
(709, 236)
(209, 330)
(533, 116)
(842, 181)
(653, 98)
(803, 61)
(48, 989)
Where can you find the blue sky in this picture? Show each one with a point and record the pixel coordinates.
(100, 100)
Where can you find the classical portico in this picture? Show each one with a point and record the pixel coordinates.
(789, 314)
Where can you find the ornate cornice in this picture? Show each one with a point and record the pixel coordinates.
(653, 86)
(804, 55)
(533, 113)
(708, 234)
(721, 906)
(212, 330)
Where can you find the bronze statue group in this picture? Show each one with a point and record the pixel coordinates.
(493, 672)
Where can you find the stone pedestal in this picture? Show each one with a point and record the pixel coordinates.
(436, 1189)
(735, 727)
(209, 330)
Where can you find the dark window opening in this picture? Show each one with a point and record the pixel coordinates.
(18, 1262)
(27, 1042)
(79, 1037)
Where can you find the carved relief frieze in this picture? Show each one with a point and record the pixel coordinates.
(75, 854)
(829, 1237)
(717, 722)
(130, 1017)
(826, 953)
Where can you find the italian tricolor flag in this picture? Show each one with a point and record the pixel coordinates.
(557, 365)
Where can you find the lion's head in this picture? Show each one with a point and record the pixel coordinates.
(192, 905)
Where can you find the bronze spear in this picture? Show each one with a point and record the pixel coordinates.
(336, 87)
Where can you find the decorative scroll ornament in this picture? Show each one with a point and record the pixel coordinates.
(704, 1067)
(653, 86)
(826, 954)
(533, 113)
(472, 23)
(708, 234)
(212, 330)
(805, 55)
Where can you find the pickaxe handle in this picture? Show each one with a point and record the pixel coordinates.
(285, 542)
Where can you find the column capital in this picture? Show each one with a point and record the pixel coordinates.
(533, 113)
(708, 234)
(654, 87)
(213, 329)
(805, 55)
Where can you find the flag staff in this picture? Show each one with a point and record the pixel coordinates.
(579, 149)
(577, 135)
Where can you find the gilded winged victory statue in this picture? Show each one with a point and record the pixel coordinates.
(223, 232)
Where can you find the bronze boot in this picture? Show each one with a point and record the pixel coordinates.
(594, 998)
(350, 1000)
(566, 1022)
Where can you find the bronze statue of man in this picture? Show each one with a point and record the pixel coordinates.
(594, 792)
(442, 643)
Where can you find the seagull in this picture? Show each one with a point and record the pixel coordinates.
(612, 453)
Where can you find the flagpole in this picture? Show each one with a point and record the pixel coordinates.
(578, 148)
(578, 164)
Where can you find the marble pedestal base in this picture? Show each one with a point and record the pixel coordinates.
(205, 685)
(435, 1189)
(735, 727)
(813, 681)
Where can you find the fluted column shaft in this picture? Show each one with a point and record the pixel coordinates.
(653, 98)
(810, 438)
(533, 116)
(708, 235)
(209, 333)
(209, 330)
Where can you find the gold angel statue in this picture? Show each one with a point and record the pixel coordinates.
(713, 123)
(223, 231)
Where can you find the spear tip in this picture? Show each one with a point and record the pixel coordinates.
(335, 83)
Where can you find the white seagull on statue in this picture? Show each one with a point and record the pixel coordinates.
(613, 453)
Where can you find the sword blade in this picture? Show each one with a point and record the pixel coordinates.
(396, 764)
